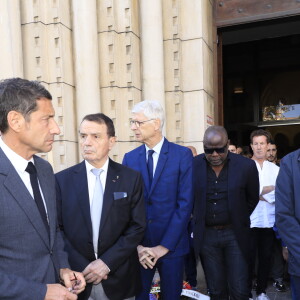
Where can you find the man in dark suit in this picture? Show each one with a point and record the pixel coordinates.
(167, 173)
(101, 241)
(31, 247)
(287, 208)
(226, 193)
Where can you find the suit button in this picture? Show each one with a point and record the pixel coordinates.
(90, 243)
(150, 203)
(150, 221)
(51, 252)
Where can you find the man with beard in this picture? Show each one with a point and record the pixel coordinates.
(226, 193)
(272, 153)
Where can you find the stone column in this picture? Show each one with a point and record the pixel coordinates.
(11, 58)
(86, 58)
(152, 51)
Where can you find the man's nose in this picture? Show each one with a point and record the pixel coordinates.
(87, 140)
(133, 126)
(54, 127)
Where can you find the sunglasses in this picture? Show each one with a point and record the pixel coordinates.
(212, 150)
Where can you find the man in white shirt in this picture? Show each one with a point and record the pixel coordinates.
(263, 216)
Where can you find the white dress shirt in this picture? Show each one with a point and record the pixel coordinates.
(20, 164)
(91, 178)
(263, 215)
(155, 155)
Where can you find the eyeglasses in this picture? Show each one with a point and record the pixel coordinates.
(139, 123)
(212, 150)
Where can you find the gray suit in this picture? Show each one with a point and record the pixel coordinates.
(28, 258)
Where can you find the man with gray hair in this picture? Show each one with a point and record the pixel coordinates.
(166, 169)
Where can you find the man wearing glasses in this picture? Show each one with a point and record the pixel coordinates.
(226, 192)
(167, 174)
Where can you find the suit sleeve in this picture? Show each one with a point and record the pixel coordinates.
(252, 187)
(181, 216)
(62, 240)
(132, 236)
(15, 287)
(286, 222)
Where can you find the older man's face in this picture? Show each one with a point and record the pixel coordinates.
(144, 128)
(259, 147)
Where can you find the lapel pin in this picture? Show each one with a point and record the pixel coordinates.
(114, 180)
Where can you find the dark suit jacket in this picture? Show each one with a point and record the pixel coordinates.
(28, 258)
(121, 229)
(169, 201)
(287, 208)
(243, 196)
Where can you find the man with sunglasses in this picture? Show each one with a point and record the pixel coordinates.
(226, 192)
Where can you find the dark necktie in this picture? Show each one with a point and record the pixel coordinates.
(36, 193)
(150, 166)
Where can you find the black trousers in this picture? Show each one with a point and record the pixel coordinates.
(262, 245)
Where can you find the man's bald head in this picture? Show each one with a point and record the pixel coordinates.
(215, 145)
(215, 135)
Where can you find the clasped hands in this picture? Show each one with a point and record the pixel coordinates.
(148, 256)
(96, 271)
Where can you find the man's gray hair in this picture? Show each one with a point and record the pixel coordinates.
(151, 109)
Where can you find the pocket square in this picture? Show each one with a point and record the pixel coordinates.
(119, 195)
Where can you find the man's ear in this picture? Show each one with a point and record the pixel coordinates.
(15, 120)
(112, 141)
(157, 123)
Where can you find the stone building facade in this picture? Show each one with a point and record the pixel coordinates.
(107, 55)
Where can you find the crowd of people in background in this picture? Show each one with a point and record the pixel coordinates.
(99, 230)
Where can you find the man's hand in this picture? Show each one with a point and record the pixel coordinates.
(267, 189)
(146, 257)
(159, 251)
(149, 256)
(58, 292)
(73, 281)
(96, 271)
(285, 253)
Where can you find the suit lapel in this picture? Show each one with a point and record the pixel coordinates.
(144, 170)
(162, 159)
(49, 197)
(231, 179)
(201, 182)
(110, 186)
(81, 187)
(19, 192)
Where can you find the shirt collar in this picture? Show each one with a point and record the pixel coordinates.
(89, 167)
(157, 147)
(19, 163)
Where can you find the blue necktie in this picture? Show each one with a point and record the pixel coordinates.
(37, 193)
(96, 208)
(150, 166)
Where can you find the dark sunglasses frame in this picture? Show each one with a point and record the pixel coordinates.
(212, 150)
